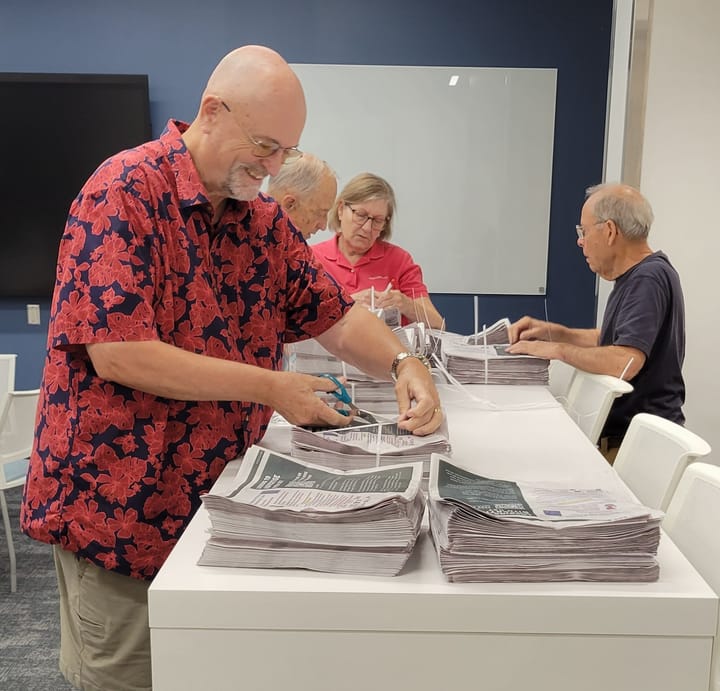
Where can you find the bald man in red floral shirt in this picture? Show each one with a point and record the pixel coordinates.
(177, 287)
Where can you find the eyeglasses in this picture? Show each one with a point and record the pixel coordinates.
(360, 218)
(263, 147)
(582, 232)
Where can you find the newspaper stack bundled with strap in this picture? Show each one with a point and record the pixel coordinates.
(309, 357)
(284, 513)
(483, 358)
(368, 393)
(488, 530)
(361, 445)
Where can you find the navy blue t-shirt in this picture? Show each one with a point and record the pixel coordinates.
(645, 310)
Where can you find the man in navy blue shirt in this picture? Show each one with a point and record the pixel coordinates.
(643, 331)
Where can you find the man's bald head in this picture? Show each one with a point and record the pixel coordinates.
(250, 78)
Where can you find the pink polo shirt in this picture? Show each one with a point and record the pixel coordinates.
(383, 263)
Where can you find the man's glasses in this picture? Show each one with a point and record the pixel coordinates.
(582, 232)
(264, 148)
(360, 218)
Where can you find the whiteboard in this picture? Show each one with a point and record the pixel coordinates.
(471, 164)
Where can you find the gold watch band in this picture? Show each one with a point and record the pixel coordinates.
(401, 356)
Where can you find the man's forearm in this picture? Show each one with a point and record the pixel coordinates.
(612, 360)
(364, 341)
(165, 370)
(586, 338)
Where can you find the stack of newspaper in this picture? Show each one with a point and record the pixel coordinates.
(310, 357)
(285, 513)
(367, 393)
(363, 445)
(496, 530)
(482, 358)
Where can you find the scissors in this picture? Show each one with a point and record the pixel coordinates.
(343, 396)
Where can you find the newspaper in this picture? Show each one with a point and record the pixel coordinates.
(368, 393)
(528, 502)
(283, 512)
(493, 364)
(495, 334)
(488, 529)
(277, 482)
(368, 446)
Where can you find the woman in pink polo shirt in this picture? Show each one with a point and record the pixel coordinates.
(360, 258)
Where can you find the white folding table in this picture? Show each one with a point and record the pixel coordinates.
(267, 630)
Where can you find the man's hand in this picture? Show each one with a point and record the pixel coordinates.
(537, 348)
(529, 329)
(414, 383)
(294, 396)
(363, 297)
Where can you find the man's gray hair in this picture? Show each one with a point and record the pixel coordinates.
(624, 205)
(299, 177)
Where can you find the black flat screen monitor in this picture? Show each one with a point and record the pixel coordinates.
(57, 129)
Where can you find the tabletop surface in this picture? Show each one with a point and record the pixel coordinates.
(513, 432)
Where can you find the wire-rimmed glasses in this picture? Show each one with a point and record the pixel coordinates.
(582, 232)
(264, 147)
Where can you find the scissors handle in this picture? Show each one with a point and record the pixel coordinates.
(341, 394)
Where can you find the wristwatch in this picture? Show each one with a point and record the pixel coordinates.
(401, 356)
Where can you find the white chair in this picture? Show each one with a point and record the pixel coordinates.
(7, 373)
(590, 398)
(692, 522)
(653, 456)
(560, 377)
(17, 426)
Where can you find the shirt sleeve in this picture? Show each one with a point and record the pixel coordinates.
(641, 314)
(105, 280)
(409, 275)
(315, 300)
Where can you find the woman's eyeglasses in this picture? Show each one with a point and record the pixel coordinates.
(360, 218)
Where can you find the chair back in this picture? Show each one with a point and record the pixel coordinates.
(590, 398)
(7, 373)
(17, 428)
(560, 376)
(653, 457)
(692, 522)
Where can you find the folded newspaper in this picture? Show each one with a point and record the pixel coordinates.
(286, 513)
(487, 529)
(367, 446)
(482, 358)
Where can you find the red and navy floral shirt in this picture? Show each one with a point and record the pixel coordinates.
(116, 474)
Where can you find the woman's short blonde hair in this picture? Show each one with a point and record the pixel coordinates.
(365, 187)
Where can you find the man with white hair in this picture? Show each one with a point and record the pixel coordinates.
(305, 188)
(643, 331)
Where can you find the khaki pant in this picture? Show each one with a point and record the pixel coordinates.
(104, 631)
(609, 447)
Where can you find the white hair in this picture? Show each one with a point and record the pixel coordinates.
(300, 176)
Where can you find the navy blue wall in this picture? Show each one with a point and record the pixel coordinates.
(178, 43)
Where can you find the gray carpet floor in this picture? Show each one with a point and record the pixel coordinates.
(29, 618)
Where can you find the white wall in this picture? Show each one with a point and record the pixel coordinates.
(681, 178)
